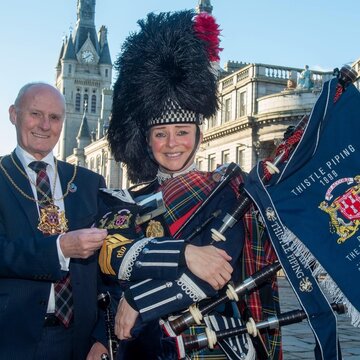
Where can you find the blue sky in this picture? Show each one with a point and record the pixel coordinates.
(321, 33)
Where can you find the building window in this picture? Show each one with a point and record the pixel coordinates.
(211, 122)
(69, 69)
(199, 164)
(98, 164)
(240, 156)
(86, 101)
(105, 163)
(106, 72)
(93, 103)
(77, 102)
(241, 105)
(211, 162)
(227, 110)
(225, 157)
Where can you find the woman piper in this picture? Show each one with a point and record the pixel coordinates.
(166, 86)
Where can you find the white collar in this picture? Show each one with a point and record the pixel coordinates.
(26, 158)
(163, 176)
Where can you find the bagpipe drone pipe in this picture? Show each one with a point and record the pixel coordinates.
(210, 337)
(104, 303)
(268, 173)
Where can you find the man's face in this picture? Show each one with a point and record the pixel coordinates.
(38, 118)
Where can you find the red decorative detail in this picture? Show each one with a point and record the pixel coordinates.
(284, 148)
(208, 30)
(339, 91)
(349, 205)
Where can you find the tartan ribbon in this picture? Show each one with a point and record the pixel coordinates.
(62, 288)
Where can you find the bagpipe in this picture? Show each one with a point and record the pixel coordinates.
(271, 168)
(210, 337)
(196, 312)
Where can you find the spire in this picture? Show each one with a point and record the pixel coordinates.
(58, 64)
(83, 137)
(69, 52)
(85, 24)
(86, 11)
(204, 6)
(105, 57)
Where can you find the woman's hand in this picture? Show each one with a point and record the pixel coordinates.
(124, 320)
(209, 264)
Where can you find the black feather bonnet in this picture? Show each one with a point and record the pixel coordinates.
(164, 76)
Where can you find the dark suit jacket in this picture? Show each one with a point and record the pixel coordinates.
(29, 262)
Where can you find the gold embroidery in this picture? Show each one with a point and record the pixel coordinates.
(154, 229)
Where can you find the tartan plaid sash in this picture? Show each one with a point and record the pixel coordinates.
(183, 195)
(62, 288)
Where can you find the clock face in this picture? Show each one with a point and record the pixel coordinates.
(87, 56)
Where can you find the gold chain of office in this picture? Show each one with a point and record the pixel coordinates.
(52, 219)
(37, 188)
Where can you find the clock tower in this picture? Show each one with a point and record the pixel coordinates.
(83, 72)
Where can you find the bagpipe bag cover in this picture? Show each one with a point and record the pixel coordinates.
(312, 207)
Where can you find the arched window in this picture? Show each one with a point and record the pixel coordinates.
(77, 101)
(86, 100)
(93, 103)
(106, 72)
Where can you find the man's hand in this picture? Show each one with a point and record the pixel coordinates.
(124, 320)
(209, 264)
(96, 351)
(82, 243)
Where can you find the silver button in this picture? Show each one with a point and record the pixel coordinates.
(169, 284)
(138, 264)
(179, 296)
(145, 250)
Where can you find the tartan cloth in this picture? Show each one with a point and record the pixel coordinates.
(42, 182)
(185, 193)
(257, 253)
(63, 293)
(182, 196)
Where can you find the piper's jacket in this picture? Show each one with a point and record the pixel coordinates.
(153, 269)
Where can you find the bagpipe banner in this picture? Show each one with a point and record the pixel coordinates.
(312, 212)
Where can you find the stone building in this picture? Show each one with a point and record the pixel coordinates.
(258, 102)
(84, 75)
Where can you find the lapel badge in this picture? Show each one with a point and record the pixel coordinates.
(154, 229)
(72, 187)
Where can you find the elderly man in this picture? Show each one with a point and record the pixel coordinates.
(48, 252)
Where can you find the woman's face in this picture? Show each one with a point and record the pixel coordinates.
(172, 145)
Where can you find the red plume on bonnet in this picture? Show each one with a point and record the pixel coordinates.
(208, 30)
